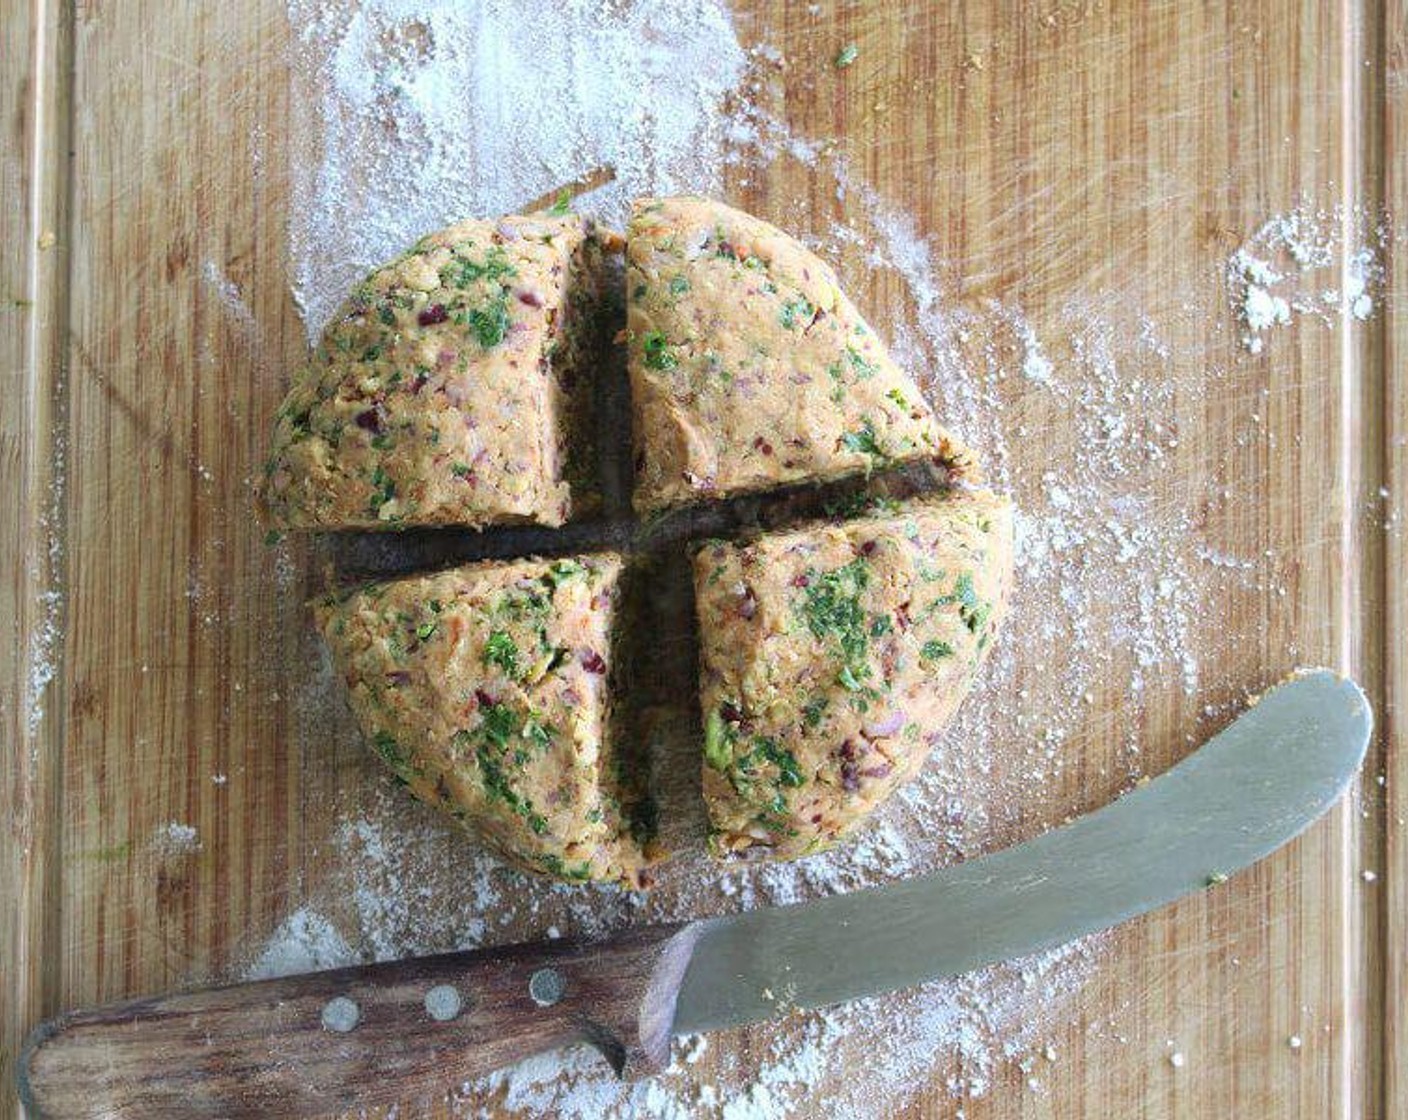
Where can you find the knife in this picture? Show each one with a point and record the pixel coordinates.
(380, 1033)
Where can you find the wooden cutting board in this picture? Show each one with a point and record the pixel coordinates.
(1042, 148)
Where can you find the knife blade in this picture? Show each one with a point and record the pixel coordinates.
(380, 1033)
(1247, 791)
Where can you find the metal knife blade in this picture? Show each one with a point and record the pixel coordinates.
(1248, 791)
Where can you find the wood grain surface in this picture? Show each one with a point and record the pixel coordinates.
(1040, 146)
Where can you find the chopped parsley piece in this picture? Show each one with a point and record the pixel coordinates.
(813, 710)
(899, 399)
(389, 751)
(863, 367)
(500, 723)
(880, 626)
(500, 649)
(426, 630)
(553, 863)
(383, 488)
(838, 383)
(387, 314)
(766, 751)
(657, 354)
(560, 571)
(499, 726)
(833, 612)
(459, 470)
(796, 313)
(679, 285)
(971, 610)
(935, 650)
(462, 272)
(490, 324)
(761, 775)
(537, 734)
(847, 55)
(563, 206)
(863, 441)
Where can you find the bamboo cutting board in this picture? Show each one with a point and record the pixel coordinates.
(1041, 148)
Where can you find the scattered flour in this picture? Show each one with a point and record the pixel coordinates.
(304, 942)
(175, 839)
(44, 642)
(1279, 272)
(427, 111)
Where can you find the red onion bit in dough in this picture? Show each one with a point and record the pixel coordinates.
(885, 725)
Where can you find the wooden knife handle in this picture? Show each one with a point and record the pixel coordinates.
(374, 1034)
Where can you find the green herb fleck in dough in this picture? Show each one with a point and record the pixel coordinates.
(863, 441)
(426, 630)
(554, 864)
(838, 383)
(537, 734)
(973, 612)
(832, 610)
(499, 726)
(657, 354)
(718, 741)
(563, 206)
(500, 649)
(864, 368)
(491, 323)
(383, 488)
(562, 570)
(766, 750)
(462, 271)
(796, 313)
(679, 285)
(935, 650)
